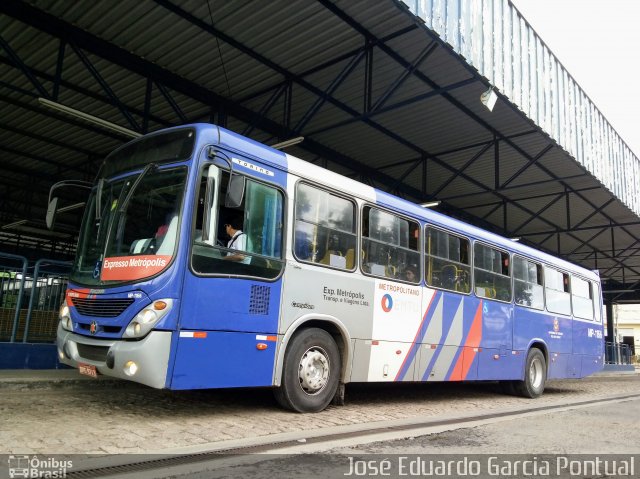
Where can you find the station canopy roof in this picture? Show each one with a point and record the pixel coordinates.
(376, 95)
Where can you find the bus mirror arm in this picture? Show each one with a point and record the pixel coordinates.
(235, 188)
(52, 206)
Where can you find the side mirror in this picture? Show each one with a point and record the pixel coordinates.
(235, 191)
(52, 209)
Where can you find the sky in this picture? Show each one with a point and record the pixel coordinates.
(598, 42)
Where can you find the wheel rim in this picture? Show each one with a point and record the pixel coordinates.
(313, 371)
(536, 373)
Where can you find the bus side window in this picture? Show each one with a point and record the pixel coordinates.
(556, 285)
(582, 298)
(447, 261)
(391, 245)
(325, 228)
(260, 220)
(528, 283)
(491, 268)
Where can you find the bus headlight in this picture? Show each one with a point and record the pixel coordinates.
(130, 368)
(146, 319)
(65, 317)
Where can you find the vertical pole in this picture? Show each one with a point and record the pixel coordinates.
(36, 274)
(59, 65)
(288, 99)
(610, 333)
(368, 77)
(568, 207)
(147, 106)
(424, 177)
(34, 287)
(496, 162)
(16, 318)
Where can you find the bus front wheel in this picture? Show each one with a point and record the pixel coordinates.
(311, 372)
(535, 375)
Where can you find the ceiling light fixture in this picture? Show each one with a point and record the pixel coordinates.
(88, 118)
(15, 223)
(489, 98)
(430, 204)
(286, 143)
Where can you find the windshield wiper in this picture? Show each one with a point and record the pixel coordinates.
(123, 206)
(147, 169)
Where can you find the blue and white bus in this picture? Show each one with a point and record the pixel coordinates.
(337, 282)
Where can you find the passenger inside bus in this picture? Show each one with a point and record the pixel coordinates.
(237, 241)
(410, 274)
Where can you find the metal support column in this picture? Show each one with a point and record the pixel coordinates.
(610, 332)
(16, 318)
(36, 273)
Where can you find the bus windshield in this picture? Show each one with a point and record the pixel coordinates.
(136, 235)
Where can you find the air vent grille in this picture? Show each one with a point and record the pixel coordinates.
(259, 302)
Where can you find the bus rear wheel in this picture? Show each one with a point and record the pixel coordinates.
(311, 372)
(535, 375)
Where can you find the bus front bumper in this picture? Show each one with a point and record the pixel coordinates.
(114, 357)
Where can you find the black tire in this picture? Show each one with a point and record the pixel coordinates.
(535, 375)
(311, 372)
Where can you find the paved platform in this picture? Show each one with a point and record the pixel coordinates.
(26, 378)
(50, 412)
(620, 368)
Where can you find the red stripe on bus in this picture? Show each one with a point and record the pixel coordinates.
(469, 351)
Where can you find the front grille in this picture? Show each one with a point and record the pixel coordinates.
(93, 353)
(101, 308)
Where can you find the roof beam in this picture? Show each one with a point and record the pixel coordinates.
(58, 28)
(83, 91)
(25, 70)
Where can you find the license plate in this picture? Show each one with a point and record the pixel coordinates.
(88, 370)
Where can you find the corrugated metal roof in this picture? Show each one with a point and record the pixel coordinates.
(496, 40)
(281, 68)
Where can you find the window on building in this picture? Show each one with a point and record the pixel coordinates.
(325, 228)
(447, 261)
(491, 273)
(556, 285)
(528, 284)
(390, 245)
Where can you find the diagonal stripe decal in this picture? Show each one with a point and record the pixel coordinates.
(469, 352)
(449, 350)
(416, 343)
(438, 335)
